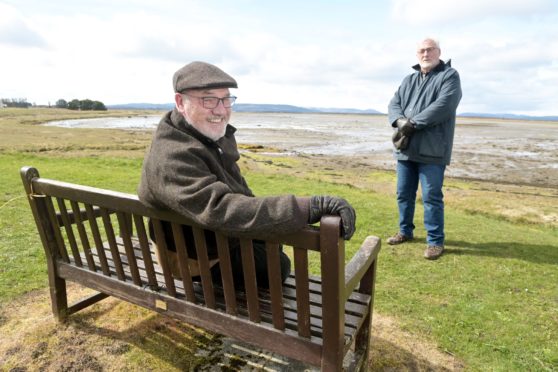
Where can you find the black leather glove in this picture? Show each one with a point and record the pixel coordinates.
(331, 205)
(406, 126)
(400, 142)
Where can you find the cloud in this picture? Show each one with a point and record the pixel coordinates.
(440, 12)
(15, 31)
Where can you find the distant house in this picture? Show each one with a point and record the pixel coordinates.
(2, 105)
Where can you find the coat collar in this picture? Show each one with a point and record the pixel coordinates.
(439, 67)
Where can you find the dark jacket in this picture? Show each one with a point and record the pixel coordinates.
(431, 103)
(199, 178)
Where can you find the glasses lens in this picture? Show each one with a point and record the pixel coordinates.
(228, 101)
(427, 50)
(212, 102)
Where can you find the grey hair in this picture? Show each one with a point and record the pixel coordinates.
(435, 41)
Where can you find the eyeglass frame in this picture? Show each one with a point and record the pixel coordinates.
(427, 50)
(222, 100)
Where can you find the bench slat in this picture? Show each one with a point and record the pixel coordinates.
(162, 244)
(203, 263)
(145, 251)
(275, 286)
(250, 285)
(302, 292)
(91, 217)
(109, 231)
(69, 231)
(125, 234)
(226, 274)
(182, 253)
(56, 230)
(82, 235)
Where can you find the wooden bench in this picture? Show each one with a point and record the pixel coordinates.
(98, 238)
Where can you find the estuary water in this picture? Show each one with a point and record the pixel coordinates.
(302, 133)
(499, 150)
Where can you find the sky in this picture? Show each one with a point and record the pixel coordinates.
(327, 54)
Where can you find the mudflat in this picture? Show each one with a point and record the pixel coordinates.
(498, 150)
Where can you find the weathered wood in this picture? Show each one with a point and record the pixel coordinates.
(226, 273)
(112, 242)
(91, 217)
(182, 252)
(302, 295)
(69, 231)
(332, 260)
(250, 285)
(162, 244)
(312, 319)
(275, 287)
(203, 262)
(145, 251)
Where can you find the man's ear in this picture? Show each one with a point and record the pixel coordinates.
(179, 101)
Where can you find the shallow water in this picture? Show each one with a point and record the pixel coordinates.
(490, 149)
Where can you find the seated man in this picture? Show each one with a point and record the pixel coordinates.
(191, 168)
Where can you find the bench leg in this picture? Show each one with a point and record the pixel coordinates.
(59, 298)
(363, 342)
(363, 339)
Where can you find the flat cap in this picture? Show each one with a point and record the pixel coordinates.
(199, 75)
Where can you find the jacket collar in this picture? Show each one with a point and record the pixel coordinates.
(439, 67)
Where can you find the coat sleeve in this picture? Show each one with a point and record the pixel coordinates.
(445, 104)
(395, 107)
(189, 187)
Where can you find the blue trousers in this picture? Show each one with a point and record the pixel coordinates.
(431, 177)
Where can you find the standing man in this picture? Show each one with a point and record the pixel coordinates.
(423, 112)
(191, 168)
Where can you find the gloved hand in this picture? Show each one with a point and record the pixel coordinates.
(406, 126)
(331, 205)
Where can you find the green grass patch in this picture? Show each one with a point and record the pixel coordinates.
(492, 300)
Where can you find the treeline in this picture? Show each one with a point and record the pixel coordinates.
(81, 104)
(75, 104)
(15, 102)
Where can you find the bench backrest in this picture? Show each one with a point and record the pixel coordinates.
(75, 222)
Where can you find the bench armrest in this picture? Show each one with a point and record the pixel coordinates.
(360, 263)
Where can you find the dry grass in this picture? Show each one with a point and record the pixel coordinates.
(117, 336)
(22, 132)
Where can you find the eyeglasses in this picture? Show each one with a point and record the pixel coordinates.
(427, 50)
(212, 102)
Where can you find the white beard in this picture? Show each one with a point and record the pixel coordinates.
(211, 131)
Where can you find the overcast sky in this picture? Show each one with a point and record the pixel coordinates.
(350, 54)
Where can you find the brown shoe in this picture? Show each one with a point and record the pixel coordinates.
(432, 252)
(398, 239)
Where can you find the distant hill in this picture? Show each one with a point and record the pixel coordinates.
(141, 106)
(247, 107)
(259, 107)
(507, 116)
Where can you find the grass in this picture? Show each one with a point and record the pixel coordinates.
(492, 300)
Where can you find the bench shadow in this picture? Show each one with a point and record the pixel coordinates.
(536, 253)
(188, 348)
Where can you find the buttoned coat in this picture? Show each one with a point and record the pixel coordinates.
(431, 102)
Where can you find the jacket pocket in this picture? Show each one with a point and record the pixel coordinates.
(432, 145)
